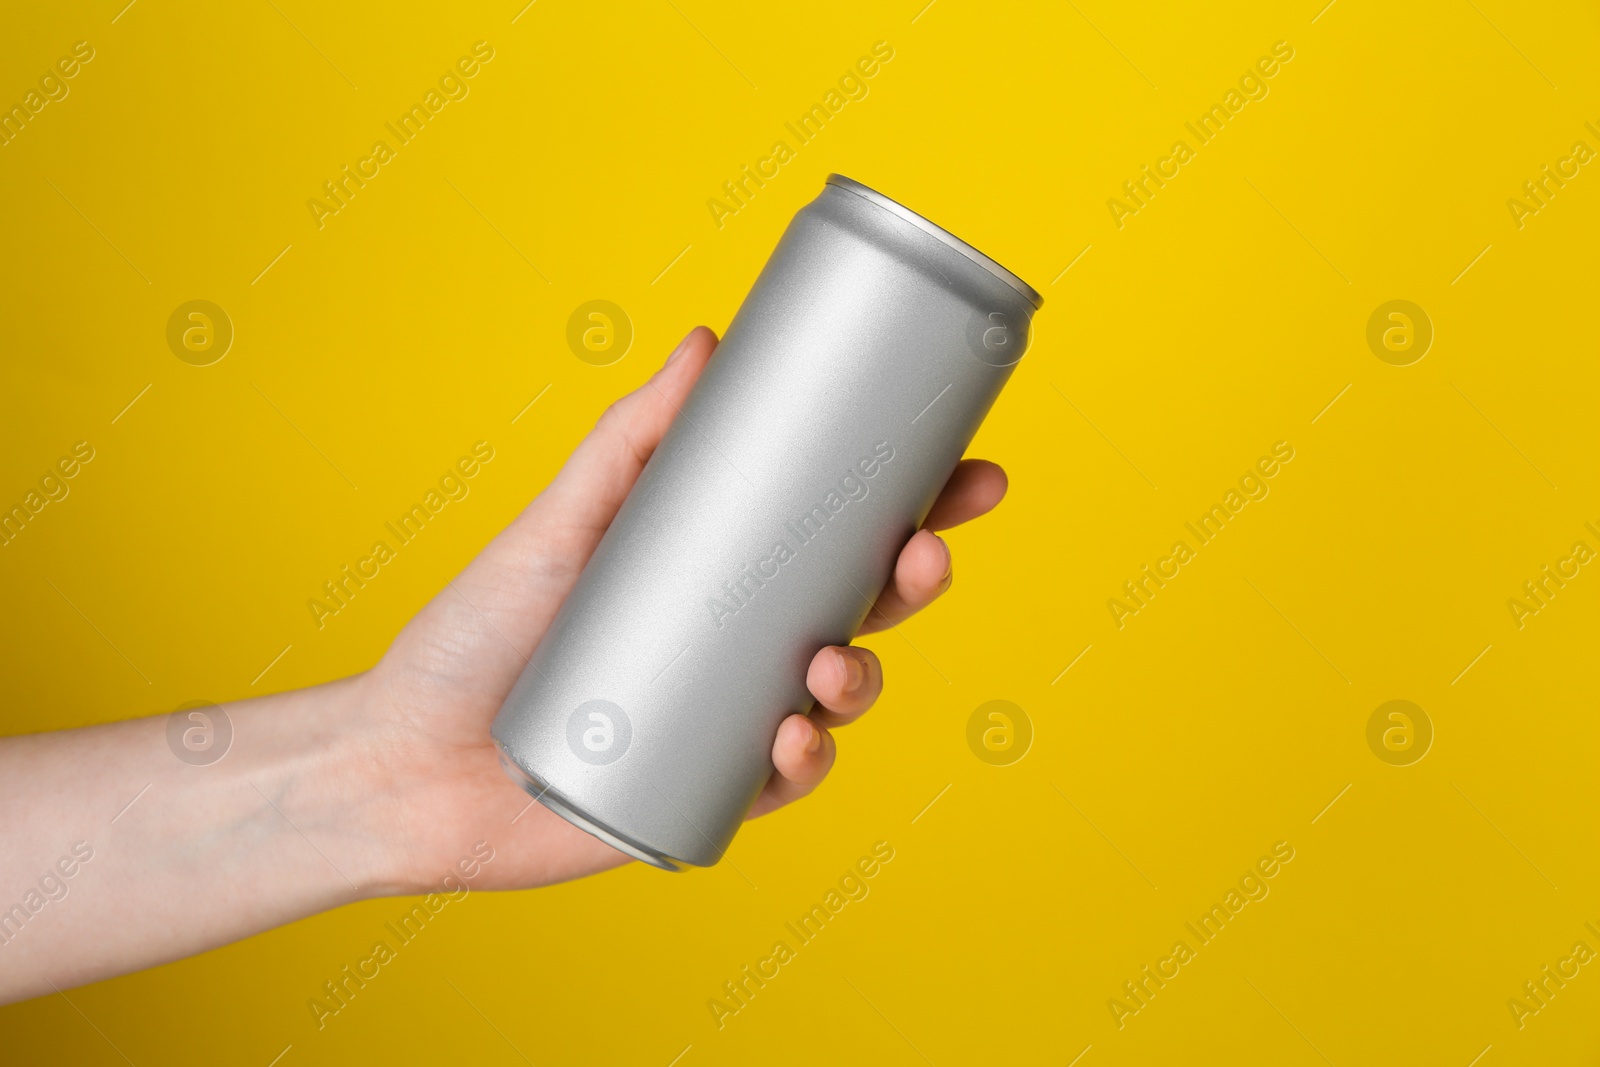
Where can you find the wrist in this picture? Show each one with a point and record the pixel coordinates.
(314, 756)
(396, 787)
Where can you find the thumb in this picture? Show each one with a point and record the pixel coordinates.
(602, 469)
(506, 597)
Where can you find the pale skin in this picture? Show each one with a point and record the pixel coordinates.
(380, 783)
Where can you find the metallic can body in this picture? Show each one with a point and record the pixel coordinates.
(838, 403)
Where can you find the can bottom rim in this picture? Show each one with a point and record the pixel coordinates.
(545, 794)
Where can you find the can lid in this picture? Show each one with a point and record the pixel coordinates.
(872, 196)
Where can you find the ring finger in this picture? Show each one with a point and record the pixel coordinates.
(846, 680)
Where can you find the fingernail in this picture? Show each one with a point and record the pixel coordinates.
(949, 566)
(814, 742)
(682, 346)
(855, 671)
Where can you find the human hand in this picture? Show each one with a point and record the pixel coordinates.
(425, 710)
(384, 782)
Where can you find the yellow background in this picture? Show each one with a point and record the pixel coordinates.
(1224, 317)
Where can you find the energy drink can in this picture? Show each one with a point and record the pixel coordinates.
(840, 400)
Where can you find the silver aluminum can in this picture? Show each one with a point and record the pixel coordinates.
(839, 402)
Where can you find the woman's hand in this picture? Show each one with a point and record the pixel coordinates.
(428, 705)
(384, 782)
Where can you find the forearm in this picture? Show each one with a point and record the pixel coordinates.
(118, 854)
(174, 858)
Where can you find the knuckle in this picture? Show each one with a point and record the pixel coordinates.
(611, 417)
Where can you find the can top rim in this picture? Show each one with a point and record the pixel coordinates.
(943, 235)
